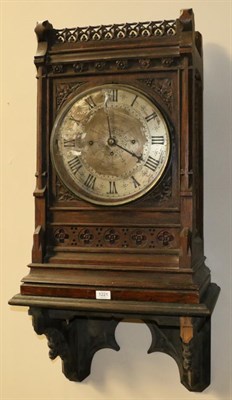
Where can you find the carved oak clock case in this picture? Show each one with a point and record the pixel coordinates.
(119, 193)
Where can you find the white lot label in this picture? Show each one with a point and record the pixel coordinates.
(103, 294)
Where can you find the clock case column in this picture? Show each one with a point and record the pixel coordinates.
(169, 286)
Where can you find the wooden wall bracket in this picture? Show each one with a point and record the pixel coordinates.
(78, 329)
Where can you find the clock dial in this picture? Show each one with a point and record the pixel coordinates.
(110, 145)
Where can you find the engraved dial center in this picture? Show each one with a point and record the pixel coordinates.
(111, 142)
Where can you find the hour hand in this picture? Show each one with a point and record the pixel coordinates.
(140, 158)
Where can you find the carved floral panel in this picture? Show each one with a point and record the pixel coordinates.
(114, 237)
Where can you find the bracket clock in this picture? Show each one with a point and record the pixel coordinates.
(119, 194)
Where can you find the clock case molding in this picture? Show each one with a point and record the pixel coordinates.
(149, 253)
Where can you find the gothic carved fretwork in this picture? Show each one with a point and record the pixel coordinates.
(114, 237)
(163, 87)
(117, 31)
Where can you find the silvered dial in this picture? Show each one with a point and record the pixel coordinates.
(110, 145)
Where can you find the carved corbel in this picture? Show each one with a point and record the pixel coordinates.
(74, 340)
(42, 30)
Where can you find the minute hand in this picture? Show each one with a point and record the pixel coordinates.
(130, 152)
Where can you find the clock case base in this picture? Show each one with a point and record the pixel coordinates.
(77, 328)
